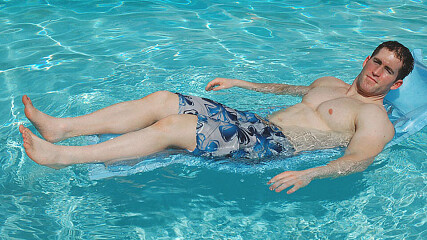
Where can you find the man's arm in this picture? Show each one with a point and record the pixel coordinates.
(276, 88)
(373, 132)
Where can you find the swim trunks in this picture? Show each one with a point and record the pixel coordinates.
(223, 131)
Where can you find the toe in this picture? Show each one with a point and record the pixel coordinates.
(27, 102)
(25, 99)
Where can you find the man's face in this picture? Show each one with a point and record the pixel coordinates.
(379, 74)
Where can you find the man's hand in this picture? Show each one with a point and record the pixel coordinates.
(220, 83)
(298, 179)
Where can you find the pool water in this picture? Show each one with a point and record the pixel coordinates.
(74, 57)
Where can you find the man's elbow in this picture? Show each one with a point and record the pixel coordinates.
(363, 165)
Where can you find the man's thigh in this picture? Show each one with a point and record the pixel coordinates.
(180, 130)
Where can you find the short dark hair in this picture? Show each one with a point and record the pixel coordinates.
(402, 53)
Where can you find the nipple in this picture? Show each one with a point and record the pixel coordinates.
(330, 111)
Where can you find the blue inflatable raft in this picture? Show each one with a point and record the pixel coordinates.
(407, 105)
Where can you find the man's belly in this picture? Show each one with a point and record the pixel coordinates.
(299, 117)
(306, 130)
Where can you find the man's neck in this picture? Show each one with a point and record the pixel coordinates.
(355, 93)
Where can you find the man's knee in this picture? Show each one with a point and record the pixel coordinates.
(161, 103)
(163, 96)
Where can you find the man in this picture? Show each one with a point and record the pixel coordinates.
(331, 113)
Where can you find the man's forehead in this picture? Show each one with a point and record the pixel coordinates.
(389, 58)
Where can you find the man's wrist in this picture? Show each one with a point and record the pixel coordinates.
(321, 172)
(240, 83)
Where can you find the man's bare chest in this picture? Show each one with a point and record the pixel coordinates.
(334, 108)
(339, 114)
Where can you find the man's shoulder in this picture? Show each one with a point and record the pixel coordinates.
(329, 81)
(373, 109)
(375, 116)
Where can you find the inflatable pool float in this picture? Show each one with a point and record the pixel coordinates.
(407, 105)
(406, 108)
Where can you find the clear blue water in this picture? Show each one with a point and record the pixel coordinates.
(74, 57)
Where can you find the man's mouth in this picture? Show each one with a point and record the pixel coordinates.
(372, 79)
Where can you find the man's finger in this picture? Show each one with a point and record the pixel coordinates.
(285, 185)
(278, 177)
(295, 188)
(282, 184)
(211, 86)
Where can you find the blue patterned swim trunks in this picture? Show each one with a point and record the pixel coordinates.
(223, 131)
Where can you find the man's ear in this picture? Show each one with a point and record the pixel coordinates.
(396, 84)
(366, 60)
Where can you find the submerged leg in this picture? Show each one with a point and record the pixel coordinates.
(119, 118)
(173, 131)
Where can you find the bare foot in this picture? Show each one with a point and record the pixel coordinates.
(52, 129)
(41, 151)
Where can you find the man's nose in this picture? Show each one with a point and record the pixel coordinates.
(377, 71)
